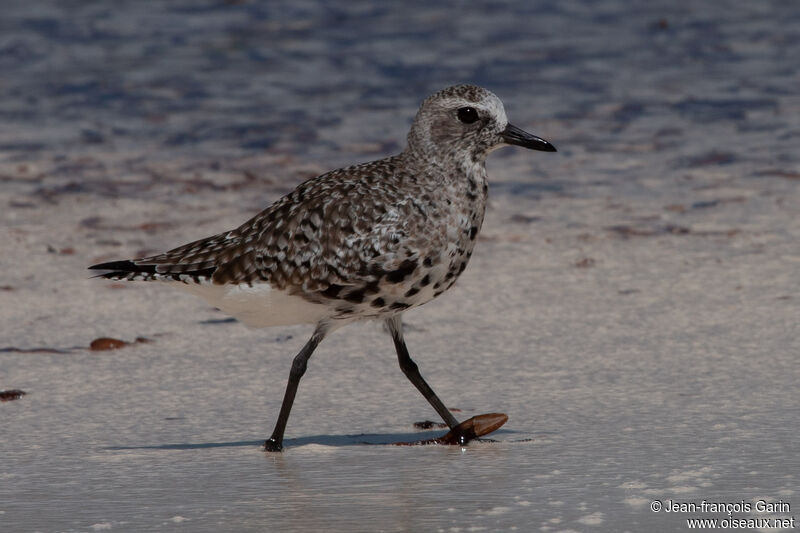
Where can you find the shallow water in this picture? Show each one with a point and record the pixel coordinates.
(632, 302)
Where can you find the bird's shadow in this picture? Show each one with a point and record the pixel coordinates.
(323, 440)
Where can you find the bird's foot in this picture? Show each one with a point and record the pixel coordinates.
(273, 445)
(472, 428)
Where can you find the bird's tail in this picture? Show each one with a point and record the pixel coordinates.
(141, 270)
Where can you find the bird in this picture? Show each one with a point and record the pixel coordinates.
(365, 242)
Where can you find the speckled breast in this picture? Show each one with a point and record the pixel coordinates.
(442, 246)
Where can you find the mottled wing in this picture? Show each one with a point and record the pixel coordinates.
(334, 237)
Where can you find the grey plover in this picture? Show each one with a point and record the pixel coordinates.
(368, 241)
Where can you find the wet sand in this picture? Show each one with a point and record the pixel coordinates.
(632, 303)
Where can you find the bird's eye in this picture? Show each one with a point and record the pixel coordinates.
(467, 115)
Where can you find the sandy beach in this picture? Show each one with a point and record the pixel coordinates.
(632, 303)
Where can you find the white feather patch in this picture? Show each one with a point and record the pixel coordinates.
(258, 306)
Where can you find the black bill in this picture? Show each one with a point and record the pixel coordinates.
(514, 135)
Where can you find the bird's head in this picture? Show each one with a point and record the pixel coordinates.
(465, 123)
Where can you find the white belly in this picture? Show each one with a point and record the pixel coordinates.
(258, 306)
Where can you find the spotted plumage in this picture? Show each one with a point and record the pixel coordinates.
(363, 242)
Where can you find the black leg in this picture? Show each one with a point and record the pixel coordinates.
(275, 442)
(410, 369)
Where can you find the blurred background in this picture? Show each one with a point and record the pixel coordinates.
(640, 90)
